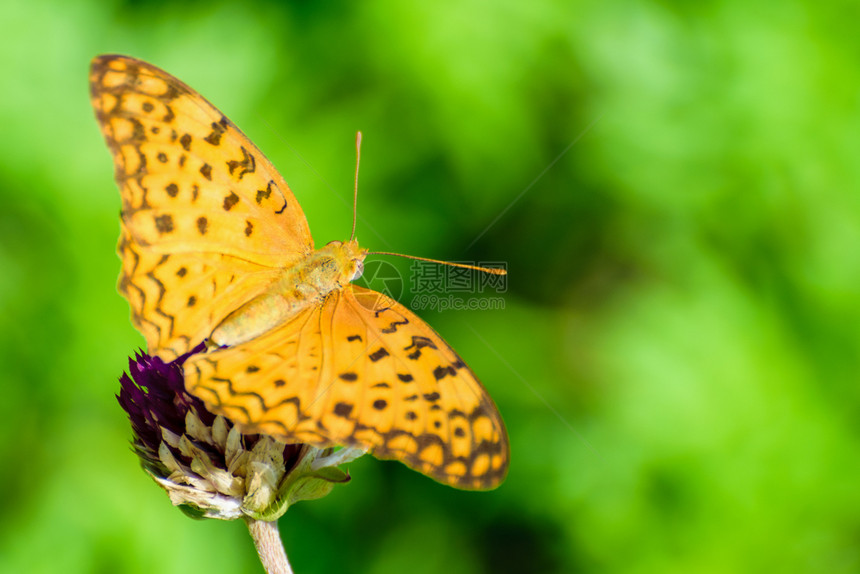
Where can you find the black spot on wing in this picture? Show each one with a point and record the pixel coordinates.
(169, 116)
(392, 328)
(418, 343)
(264, 193)
(230, 201)
(442, 372)
(164, 223)
(247, 164)
(343, 409)
(378, 354)
(214, 137)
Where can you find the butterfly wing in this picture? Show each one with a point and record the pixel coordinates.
(361, 370)
(206, 218)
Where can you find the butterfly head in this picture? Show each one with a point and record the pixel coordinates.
(348, 258)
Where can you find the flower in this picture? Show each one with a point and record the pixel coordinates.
(207, 466)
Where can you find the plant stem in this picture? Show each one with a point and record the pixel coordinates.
(270, 548)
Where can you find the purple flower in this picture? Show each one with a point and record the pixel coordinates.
(207, 466)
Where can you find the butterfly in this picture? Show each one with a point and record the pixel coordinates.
(215, 247)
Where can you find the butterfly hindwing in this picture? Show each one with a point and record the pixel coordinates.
(361, 370)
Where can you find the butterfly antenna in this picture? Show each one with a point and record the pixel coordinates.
(355, 194)
(490, 270)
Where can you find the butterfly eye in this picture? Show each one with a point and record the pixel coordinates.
(335, 242)
(359, 269)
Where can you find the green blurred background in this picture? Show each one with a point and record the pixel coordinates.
(678, 354)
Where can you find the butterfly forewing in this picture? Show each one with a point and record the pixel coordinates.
(205, 216)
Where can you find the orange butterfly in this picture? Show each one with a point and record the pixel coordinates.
(216, 248)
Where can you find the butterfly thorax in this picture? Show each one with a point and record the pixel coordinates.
(305, 283)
